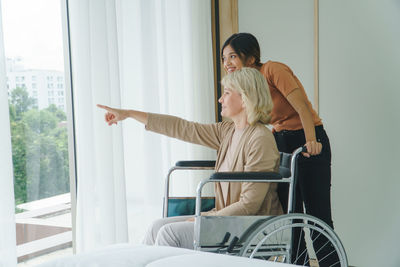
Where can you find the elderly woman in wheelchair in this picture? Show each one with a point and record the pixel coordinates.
(244, 146)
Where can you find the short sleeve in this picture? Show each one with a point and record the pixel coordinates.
(282, 78)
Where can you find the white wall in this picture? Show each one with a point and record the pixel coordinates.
(284, 29)
(360, 91)
(359, 94)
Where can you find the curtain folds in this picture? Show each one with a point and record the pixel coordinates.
(166, 67)
(150, 55)
(8, 251)
(101, 203)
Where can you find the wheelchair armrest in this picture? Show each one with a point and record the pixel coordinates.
(196, 163)
(235, 177)
(243, 176)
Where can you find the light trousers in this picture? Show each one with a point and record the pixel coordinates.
(171, 231)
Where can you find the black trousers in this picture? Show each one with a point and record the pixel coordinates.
(314, 175)
(314, 180)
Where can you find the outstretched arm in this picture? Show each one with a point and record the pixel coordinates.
(202, 134)
(114, 115)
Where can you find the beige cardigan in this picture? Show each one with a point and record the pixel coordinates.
(256, 151)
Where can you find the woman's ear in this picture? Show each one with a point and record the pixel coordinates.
(250, 61)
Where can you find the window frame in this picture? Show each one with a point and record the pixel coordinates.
(69, 102)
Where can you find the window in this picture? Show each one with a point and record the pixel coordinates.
(39, 135)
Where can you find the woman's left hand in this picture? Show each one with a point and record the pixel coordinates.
(191, 219)
(313, 148)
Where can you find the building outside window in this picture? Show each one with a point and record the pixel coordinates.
(39, 135)
(40, 84)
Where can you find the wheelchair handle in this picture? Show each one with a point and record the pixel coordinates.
(293, 175)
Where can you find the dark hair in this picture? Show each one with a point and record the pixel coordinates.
(245, 45)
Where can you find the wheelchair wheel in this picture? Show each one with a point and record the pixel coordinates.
(298, 239)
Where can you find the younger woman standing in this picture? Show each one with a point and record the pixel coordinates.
(295, 124)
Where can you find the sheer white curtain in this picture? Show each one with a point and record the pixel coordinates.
(150, 55)
(101, 202)
(8, 252)
(166, 67)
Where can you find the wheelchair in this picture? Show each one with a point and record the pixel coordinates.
(299, 239)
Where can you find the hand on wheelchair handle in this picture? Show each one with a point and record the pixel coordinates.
(312, 148)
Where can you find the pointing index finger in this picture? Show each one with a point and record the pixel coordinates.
(104, 107)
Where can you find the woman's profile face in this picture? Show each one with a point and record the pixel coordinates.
(231, 60)
(231, 103)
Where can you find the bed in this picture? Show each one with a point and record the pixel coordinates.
(124, 255)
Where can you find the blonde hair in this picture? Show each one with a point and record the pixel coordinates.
(253, 87)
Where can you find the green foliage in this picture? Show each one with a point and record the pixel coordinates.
(39, 149)
(58, 112)
(20, 101)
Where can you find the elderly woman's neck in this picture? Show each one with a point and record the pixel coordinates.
(240, 122)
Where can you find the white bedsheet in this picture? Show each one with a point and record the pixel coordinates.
(127, 255)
